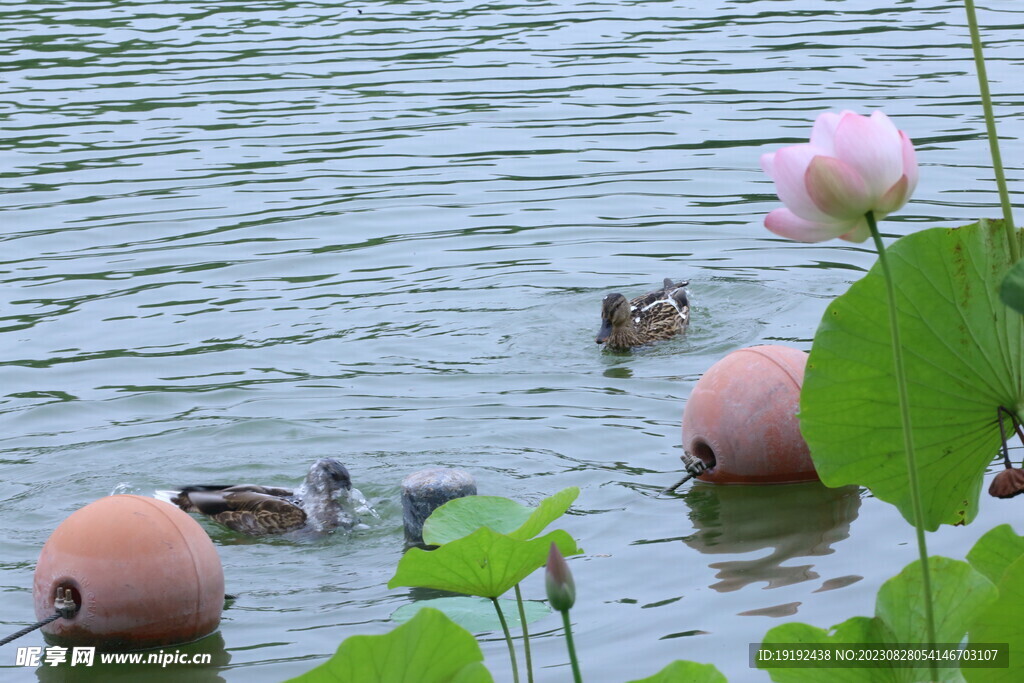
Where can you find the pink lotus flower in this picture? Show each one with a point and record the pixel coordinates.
(852, 165)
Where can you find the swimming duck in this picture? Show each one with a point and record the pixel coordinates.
(263, 510)
(656, 315)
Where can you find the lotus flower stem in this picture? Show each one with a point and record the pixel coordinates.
(1016, 428)
(526, 635)
(1002, 433)
(1016, 425)
(508, 639)
(908, 434)
(990, 125)
(572, 648)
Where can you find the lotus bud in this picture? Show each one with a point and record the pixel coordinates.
(558, 580)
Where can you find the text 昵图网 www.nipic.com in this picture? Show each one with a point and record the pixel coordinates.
(86, 656)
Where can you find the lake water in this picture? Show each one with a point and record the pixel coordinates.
(240, 236)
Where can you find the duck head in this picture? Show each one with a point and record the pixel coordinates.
(615, 313)
(328, 477)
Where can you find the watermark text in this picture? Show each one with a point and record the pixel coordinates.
(55, 655)
(879, 655)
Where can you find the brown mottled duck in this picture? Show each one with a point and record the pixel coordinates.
(654, 316)
(264, 510)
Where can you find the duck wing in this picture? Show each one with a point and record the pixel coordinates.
(677, 293)
(183, 497)
(644, 301)
(673, 293)
(662, 313)
(255, 488)
(245, 508)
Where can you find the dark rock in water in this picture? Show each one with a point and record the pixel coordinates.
(425, 491)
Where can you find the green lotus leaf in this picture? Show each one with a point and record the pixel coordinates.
(1012, 290)
(854, 631)
(681, 671)
(964, 353)
(960, 595)
(463, 516)
(1000, 622)
(995, 551)
(485, 563)
(431, 648)
(476, 615)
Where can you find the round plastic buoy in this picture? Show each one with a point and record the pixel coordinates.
(142, 572)
(741, 418)
(425, 491)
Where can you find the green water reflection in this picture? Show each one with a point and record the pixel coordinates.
(791, 521)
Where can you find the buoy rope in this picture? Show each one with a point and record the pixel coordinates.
(694, 467)
(64, 606)
(28, 629)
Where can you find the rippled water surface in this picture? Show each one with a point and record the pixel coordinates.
(239, 236)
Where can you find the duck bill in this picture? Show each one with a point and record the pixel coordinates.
(604, 332)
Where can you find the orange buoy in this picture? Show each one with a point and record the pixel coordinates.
(741, 418)
(142, 573)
